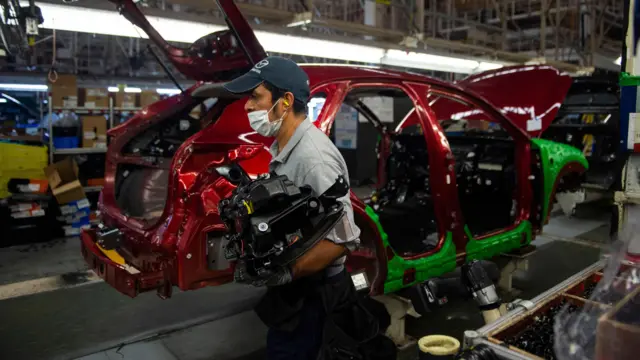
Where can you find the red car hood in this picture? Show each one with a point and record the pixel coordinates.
(530, 96)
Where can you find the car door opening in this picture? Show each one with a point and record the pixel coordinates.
(398, 179)
(484, 154)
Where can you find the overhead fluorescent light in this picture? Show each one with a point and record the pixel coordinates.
(77, 19)
(113, 89)
(168, 91)
(3, 100)
(23, 87)
(297, 45)
(132, 90)
(299, 23)
(301, 19)
(618, 61)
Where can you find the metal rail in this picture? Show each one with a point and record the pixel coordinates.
(478, 337)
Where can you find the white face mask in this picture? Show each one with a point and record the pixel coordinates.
(259, 121)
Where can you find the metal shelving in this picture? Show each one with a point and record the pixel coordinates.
(77, 151)
(110, 111)
(92, 188)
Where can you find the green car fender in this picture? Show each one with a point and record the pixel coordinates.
(557, 161)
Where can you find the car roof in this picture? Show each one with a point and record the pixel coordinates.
(321, 73)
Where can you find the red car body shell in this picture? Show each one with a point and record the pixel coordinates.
(173, 251)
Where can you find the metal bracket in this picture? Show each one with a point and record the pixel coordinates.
(526, 304)
(109, 238)
(569, 200)
(506, 273)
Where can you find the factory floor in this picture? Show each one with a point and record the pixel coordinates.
(52, 308)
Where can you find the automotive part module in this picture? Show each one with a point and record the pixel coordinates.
(272, 222)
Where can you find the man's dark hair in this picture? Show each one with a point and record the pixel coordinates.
(299, 106)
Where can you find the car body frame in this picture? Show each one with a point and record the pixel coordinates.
(159, 201)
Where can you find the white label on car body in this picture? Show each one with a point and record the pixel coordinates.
(359, 281)
(534, 124)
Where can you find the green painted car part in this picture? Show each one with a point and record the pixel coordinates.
(554, 157)
(428, 267)
(498, 244)
(445, 260)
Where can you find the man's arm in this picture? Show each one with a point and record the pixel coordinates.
(321, 177)
(317, 258)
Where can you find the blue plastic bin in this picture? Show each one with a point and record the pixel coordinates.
(66, 142)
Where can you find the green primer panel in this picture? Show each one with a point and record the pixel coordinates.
(498, 244)
(428, 267)
(554, 157)
(627, 79)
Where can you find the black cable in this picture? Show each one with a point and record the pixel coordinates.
(165, 68)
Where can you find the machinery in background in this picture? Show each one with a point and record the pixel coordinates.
(527, 331)
(21, 38)
(589, 120)
(592, 315)
(627, 198)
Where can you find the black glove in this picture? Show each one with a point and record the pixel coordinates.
(273, 277)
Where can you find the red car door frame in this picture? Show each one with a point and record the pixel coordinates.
(440, 159)
(522, 150)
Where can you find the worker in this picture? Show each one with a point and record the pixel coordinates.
(299, 296)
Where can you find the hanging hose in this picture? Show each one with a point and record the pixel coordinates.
(53, 74)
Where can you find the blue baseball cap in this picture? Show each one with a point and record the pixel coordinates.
(280, 72)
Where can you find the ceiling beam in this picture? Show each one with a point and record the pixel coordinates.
(286, 17)
(393, 37)
(246, 9)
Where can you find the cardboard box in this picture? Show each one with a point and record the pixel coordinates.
(94, 131)
(63, 181)
(96, 98)
(148, 97)
(617, 332)
(125, 100)
(64, 92)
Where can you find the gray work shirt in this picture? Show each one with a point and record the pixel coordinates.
(310, 158)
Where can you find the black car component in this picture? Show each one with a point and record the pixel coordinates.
(405, 198)
(436, 292)
(272, 222)
(478, 282)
